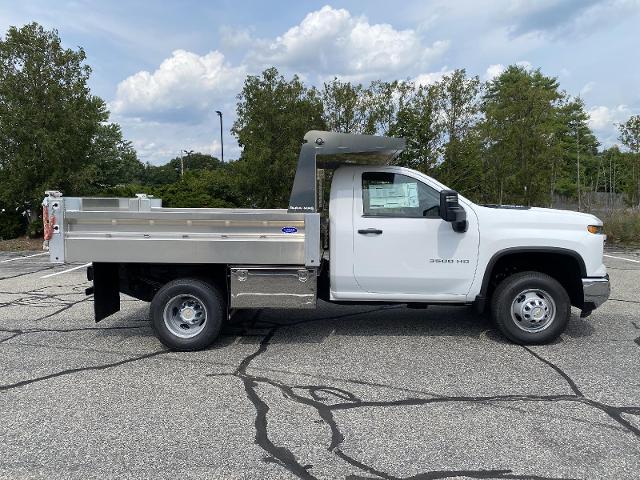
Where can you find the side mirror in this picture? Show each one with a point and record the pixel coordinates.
(452, 211)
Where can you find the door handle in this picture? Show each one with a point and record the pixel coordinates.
(368, 231)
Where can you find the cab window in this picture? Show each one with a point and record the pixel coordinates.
(387, 194)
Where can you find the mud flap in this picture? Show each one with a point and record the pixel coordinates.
(106, 289)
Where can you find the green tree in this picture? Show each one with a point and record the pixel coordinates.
(203, 188)
(419, 121)
(160, 174)
(52, 130)
(385, 100)
(111, 160)
(273, 114)
(195, 161)
(630, 138)
(575, 145)
(520, 109)
(346, 107)
(461, 165)
(48, 117)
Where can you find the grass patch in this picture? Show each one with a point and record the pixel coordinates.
(623, 227)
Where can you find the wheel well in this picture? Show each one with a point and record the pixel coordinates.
(143, 280)
(566, 268)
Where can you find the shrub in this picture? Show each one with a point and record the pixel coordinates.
(12, 225)
(35, 229)
(623, 227)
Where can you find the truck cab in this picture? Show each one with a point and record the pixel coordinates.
(390, 235)
(388, 240)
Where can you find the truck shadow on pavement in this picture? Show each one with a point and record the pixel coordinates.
(301, 326)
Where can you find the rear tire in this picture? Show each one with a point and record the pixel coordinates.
(531, 308)
(187, 314)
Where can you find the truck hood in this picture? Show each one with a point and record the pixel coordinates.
(586, 217)
(537, 215)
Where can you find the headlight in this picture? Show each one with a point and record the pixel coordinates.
(597, 229)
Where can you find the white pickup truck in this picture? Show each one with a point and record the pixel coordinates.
(391, 235)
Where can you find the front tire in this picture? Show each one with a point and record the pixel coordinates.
(187, 314)
(531, 308)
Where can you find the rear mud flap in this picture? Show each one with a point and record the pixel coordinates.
(106, 289)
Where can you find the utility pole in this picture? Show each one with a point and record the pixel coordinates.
(188, 154)
(221, 142)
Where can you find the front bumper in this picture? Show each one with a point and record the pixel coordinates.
(596, 292)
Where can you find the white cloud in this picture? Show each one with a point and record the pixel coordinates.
(171, 108)
(183, 88)
(327, 42)
(605, 118)
(493, 71)
(431, 77)
(496, 69)
(332, 41)
(587, 88)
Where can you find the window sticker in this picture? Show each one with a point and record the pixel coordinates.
(400, 195)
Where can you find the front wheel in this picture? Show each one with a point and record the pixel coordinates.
(187, 314)
(531, 308)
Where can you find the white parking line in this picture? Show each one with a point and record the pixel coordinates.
(67, 270)
(621, 258)
(27, 256)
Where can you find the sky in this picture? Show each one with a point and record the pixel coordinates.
(164, 68)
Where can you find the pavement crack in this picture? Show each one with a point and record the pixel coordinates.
(41, 298)
(27, 273)
(27, 331)
(481, 474)
(65, 308)
(71, 371)
(281, 455)
(362, 466)
(623, 300)
(327, 399)
(17, 334)
(558, 370)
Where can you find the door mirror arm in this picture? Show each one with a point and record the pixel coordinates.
(451, 211)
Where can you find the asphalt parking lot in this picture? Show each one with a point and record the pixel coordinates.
(341, 392)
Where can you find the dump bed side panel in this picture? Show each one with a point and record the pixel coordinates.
(140, 231)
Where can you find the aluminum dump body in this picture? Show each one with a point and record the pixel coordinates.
(140, 230)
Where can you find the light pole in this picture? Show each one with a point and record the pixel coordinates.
(188, 154)
(221, 142)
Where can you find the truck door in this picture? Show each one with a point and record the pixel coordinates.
(402, 246)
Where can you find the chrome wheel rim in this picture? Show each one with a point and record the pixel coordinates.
(185, 316)
(533, 310)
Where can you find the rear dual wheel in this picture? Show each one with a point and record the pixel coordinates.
(187, 314)
(531, 308)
